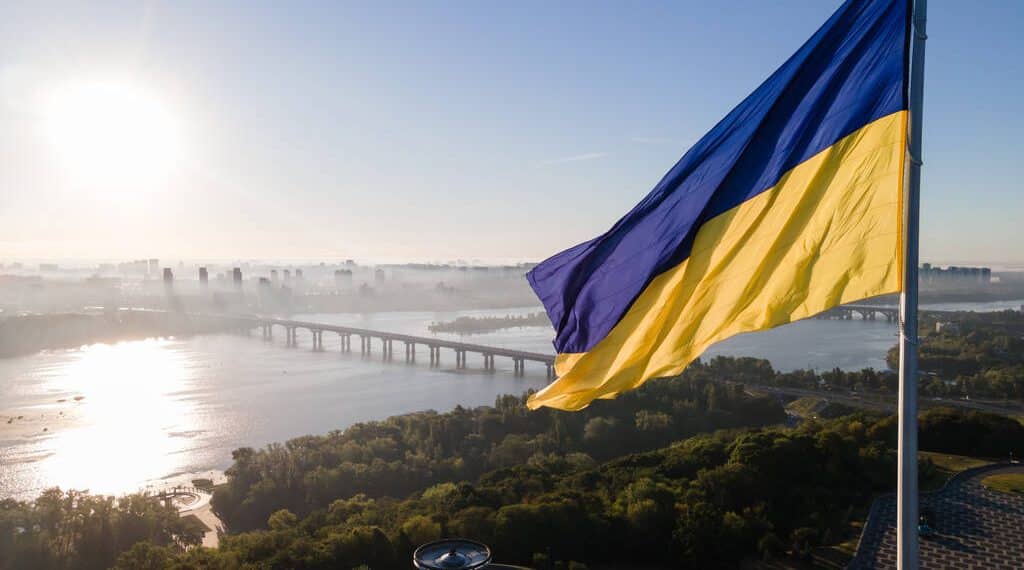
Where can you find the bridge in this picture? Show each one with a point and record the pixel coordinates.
(433, 345)
(387, 340)
(869, 312)
(866, 312)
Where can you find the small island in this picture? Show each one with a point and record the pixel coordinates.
(476, 325)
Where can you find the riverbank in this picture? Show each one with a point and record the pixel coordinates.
(26, 334)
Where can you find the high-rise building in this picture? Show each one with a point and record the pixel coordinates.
(168, 276)
(236, 277)
(342, 278)
(204, 277)
(154, 267)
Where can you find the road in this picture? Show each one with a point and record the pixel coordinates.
(887, 403)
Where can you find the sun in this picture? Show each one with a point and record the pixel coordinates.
(114, 134)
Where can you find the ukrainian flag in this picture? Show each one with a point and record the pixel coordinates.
(791, 205)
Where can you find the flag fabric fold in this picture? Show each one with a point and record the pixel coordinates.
(789, 206)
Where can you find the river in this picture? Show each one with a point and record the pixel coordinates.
(114, 418)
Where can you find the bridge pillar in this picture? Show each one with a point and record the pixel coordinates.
(460, 359)
(551, 371)
(435, 356)
(488, 362)
(318, 340)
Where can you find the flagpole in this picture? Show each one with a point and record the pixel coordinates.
(907, 493)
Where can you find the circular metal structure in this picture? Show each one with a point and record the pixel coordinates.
(452, 554)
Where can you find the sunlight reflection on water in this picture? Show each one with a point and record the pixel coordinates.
(127, 403)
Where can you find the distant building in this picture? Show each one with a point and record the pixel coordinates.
(273, 276)
(343, 278)
(379, 276)
(298, 275)
(954, 276)
(136, 267)
(48, 267)
(168, 276)
(287, 276)
(154, 267)
(948, 327)
(204, 277)
(236, 277)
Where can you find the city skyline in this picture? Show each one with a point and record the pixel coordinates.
(432, 132)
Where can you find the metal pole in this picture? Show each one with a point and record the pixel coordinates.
(907, 494)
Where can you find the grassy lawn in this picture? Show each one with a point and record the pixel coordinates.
(946, 466)
(805, 407)
(817, 407)
(1012, 483)
(953, 463)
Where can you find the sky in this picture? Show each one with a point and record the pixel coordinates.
(435, 130)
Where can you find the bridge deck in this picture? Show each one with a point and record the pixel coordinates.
(412, 339)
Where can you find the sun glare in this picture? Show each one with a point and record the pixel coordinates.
(114, 134)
